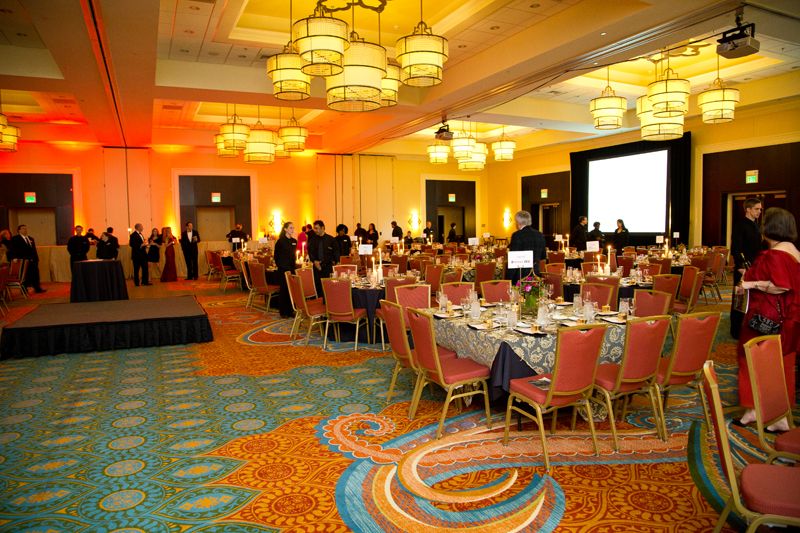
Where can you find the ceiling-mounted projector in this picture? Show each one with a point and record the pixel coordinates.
(738, 42)
(443, 133)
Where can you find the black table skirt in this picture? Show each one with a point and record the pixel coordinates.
(97, 281)
(368, 299)
(507, 365)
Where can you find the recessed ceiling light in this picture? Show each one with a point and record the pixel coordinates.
(595, 62)
(188, 32)
(194, 8)
(242, 56)
(184, 50)
(464, 46)
(603, 33)
(494, 27)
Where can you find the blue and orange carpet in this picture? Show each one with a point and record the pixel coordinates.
(257, 432)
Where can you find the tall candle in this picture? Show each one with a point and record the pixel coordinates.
(567, 240)
(609, 257)
(304, 249)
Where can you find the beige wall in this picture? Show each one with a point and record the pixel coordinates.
(349, 189)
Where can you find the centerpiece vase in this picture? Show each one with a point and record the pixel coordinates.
(529, 290)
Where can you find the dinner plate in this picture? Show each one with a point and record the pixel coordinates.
(613, 319)
(606, 313)
(445, 315)
(528, 331)
(569, 323)
(482, 326)
(523, 325)
(563, 304)
(559, 316)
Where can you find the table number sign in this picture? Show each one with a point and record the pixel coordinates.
(559, 237)
(522, 259)
(472, 241)
(394, 240)
(676, 235)
(659, 239)
(592, 246)
(364, 249)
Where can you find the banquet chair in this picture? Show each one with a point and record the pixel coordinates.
(636, 371)
(611, 281)
(713, 277)
(650, 269)
(665, 262)
(16, 277)
(226, 274)
(651, 303)
(348, 260)
(570, 383)
(500, 252)
(613, 262)
(689, 290)
(454, 276)
(4, 289)
(345, 269)
(450, 373)
(433, 277)
(423, 267)
(389, 270)
(589, 268)
(626, 262)
(391, 296)
(456, 291)
(266, 260)
(259, 285)
(768, 381)
(401, 261)
(555, 257)
(761, 493)
(628, 249)
(463, 257)
(416, 295)
(445, 258)
(555, 279)
(591, 257)
(668, 283)
(307, 282)
(700, 262)
(496, 290)
(401, 351)
(555, 268)
(339, 308)
(311, 309)
(484, 272)
(694, 339)
(597, 292)
(212, 268)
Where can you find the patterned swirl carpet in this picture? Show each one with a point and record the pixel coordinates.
(257, 432)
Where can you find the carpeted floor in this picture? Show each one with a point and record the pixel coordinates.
(257, 432)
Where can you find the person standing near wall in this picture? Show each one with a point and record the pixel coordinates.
(138, 245)
(745, 245)
(189, 240)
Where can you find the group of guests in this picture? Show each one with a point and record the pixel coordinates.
(581, 235)
(145, 251)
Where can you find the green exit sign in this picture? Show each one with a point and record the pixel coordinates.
(751, 176)
(451, 197)
(30, 197)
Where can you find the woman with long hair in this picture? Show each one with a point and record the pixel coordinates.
(372, 235)
(620, 237)
(168, 241)
(774, 284)
(285, 258)
(153, 252)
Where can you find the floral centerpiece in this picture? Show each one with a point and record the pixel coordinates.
(530, 289)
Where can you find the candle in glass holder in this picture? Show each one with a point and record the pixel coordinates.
(609, 257)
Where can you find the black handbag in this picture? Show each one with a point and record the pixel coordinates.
(764, 325)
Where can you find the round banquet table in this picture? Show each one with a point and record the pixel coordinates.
(97, 280)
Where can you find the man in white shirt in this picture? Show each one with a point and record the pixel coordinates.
(189, 240)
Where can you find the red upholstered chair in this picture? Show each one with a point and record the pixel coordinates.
(588, 268)
(629, 249)
(500, 252)
(555, 279)
(389, 271)
(456, 291)
(626, 262)
(390, 284)
(700, 262)
(348, 260)
(765, 366)
(339, 308)
(212, 267)
(401, 352)
(344, 269)
(259, 285)
(266, 260)
(433, 276)
(611, 281)
(636, 372)
(4, 289)
(16, 277)
(454, 276)
(555, 257)
(462, 256)
(446, 257)
(484, 272)
(694, 338)
(668, 283)
(571, 382)
(312, 309)
(226, 274)
(591, 257)
(713, 276)
(651, 303)
(650, 269)
(307, 281)
(689, 290)
(401, 261)
(556, 268)
(761, 493)
(597, 292)
(449, 373)
(415, 295)
(423, 267)
(496, 290)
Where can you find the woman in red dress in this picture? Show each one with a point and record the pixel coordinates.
(168, 241)
(774, 284)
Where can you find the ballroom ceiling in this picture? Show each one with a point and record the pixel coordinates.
(166, 73)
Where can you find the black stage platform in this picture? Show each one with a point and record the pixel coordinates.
(113, 325)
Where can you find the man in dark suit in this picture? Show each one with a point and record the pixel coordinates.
(237, 233)
(78, 246)
(745, 245)
(525, 238)
(323, 252)
(580, 234)
(24, 247)
(108, 245)
(429, 232)
(397, 231)
(189, 240)
(138, 246)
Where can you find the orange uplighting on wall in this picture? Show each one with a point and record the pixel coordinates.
(74, 146)
(507, 218)
(171, 148)
(276, 220)
(414, 221)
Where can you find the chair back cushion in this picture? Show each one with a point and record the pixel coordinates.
(484, 272)
(456, 291)
(599, 292)
(651, 303)
(496, 290)
(433, 275)
(687, 282)
(693, 340)
(427, 356)
(554, 279)
(577, 354)
(558, 268)
(307, 282)
(338, 298)
(258, 276)
(396, 328)
(416, 296)
(296, 291)
(765, 363)
(347, 269)
(555, 257)
(650, 269)
(644, 340)
(711, 389)
(391, 283)
(626, 262)
(667, 283)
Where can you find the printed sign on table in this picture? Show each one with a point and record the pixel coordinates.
(472, 241)
(592, 246)
(364, 249)
(522, 259)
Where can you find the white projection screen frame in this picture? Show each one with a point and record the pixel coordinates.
(630, 187)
